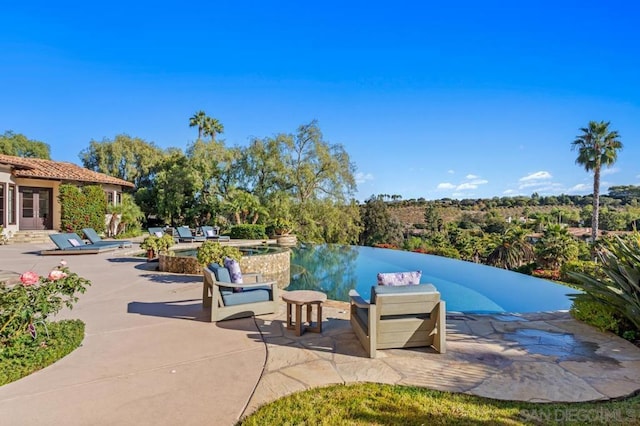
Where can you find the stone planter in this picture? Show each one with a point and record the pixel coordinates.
(286, 240)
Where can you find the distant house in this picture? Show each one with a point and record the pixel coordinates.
(29, 189)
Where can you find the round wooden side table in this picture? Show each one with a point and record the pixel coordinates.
(301, 298)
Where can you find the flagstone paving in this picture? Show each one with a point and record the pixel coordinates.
(540, 357)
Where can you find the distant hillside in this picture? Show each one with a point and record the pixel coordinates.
(410, 215)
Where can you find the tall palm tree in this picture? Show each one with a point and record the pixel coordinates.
(212, 126)
(597, 146)
(198, 120)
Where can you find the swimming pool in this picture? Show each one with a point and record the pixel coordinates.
(465, 286)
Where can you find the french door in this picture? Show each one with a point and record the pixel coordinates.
(35, 208)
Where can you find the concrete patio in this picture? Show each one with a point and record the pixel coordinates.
(150, 356)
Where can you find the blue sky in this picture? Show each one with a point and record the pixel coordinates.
(464, 100)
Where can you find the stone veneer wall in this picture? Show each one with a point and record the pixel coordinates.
(273, 266)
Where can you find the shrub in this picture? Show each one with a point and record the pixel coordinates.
(82, 207)
(157, 244)
(214, 252)
(248, 232)
(619, 290)
(595, 313)
(586, 267)
(35, 299)
(25, 355)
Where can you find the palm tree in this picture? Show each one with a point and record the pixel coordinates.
(212, 127)
(198, 120)
(597, 146)
(513, 249)
(555, 247)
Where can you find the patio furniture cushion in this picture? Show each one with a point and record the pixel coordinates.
(158, 234)
(247, 296)
(74, 242)
(222, 275)
(209, 233)
(399, 278)
(401, 289)
(234, 270)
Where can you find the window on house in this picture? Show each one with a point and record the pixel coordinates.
(11, 205)
(2, 204)
(109, 198)
(119, 198)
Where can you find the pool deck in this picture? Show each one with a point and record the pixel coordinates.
(151, 357)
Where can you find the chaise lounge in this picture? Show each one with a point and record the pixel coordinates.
(213, 233)
(94, 238)
(227, 300)
(399, 316)
(185, 235)
(71, 243)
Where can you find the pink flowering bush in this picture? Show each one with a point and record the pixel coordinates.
(35, 298)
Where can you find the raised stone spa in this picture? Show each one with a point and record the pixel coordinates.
(272, 262)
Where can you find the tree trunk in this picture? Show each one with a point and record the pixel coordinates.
(596, 203)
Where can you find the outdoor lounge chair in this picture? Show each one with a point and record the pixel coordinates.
(401, 316)
(71, 243)
(224, 301)
(213, 233)
(185, 235)
(94, 238)
(157, 231)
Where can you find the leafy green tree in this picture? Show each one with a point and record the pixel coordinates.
(327, 221)
(512, 249)
(433, 219)
(19, 145)
(125, 157)
(175, 188)
(626, 193)
(315, 169)
(243, 207)
(597, 147)
(494, 222)
(378, 226)
(556, 247)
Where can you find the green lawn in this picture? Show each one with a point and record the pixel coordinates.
(378, 404)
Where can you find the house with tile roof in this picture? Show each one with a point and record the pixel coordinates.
(29, 189)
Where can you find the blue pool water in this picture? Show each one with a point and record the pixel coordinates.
(465, 286)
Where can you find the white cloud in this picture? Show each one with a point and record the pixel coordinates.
(470, 176)
(479, 181)
(363, 177)
(536, 176)
(510, 192)
(466, 185)
(450, 171)
(445, 185)
(609, 171)
(581, 187)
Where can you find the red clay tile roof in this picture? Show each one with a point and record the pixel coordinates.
(47, 169)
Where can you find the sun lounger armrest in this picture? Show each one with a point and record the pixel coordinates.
(357, 300)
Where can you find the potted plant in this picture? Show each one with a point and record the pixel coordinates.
(151, 245)
(165, 242)
(282, 226)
